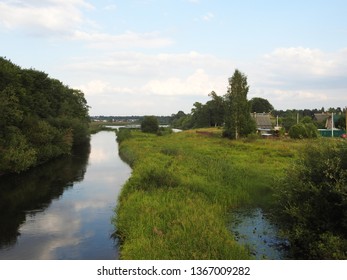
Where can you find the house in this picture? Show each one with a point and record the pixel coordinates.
(321, 118)
(326, 119)
(330, 124)
(263, 123)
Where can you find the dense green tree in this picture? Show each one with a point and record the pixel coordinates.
(303, 130)
(341, 123)
(200, 116)
(150, 124)
(177, 119)
(312, 202)
(10, 109)
(40, 118)
(238, 121)
(306, 120)
(260, 105)
(215, 109)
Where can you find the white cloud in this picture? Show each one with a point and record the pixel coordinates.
(164, 83)
(104, 89)
(303, 61)
(122, 41)
(301, 77)
(198, 83)
(95, 87)
(148, 66)
(43, 17)
(189, 73)
(208, 17)
(67, 20)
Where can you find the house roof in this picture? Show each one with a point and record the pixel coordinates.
(321, 117)
(262, 120)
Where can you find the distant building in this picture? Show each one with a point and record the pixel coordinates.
(330, 129)
(322, 118)
(325, 118)
(263, 123)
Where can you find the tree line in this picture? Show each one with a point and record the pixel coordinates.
(233, 109)
(40, 118)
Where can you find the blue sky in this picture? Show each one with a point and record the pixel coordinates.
(140, 57)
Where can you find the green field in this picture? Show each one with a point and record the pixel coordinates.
(177, 202)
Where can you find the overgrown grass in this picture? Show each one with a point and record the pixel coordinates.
(176, 203)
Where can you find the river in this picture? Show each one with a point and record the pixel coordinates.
(63, 209)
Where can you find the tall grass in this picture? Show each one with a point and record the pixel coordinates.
(175, 204)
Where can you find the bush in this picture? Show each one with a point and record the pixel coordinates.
(164, 131)
(312, 202)
(150, 124)
(301, 130)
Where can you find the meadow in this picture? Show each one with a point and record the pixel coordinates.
(177, 203)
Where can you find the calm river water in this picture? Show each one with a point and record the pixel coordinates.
(63, 209)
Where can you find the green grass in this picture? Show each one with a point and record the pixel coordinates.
(176, 203)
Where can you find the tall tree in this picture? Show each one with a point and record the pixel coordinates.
(238, 120)
(40, 118)
(200, 115)
(260, 105)
(149, 124)
(216, 109)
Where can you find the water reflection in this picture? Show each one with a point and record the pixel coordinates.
(60, 211)
(33, 191)
(252, 228)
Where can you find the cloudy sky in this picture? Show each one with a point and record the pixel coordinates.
(140, 57)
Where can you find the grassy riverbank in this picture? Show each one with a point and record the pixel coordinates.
(176, 203)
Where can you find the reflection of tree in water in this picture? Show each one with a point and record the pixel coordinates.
(35, 189)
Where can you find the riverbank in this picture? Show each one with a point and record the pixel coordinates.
(183, 186)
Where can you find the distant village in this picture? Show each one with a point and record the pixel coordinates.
(327, 124)
(268, 125)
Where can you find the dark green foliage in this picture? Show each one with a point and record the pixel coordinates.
(312, 202)
(216, 109)
(40, 118)
(202, 115)
(238, 121)
(260, 105)
(150, 124)
(164, 131)
(123, 134)
(303, 130)
(341, 122)
(209, 114)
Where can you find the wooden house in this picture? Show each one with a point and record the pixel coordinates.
(263, 123)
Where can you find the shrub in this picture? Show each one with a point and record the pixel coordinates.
(164, 131)
(301, 130)
(312, 202)
(150, 124)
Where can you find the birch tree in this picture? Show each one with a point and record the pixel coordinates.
(238, 120)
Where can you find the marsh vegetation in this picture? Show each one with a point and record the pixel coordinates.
(177, 203)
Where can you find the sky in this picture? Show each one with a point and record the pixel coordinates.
(157, 57)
